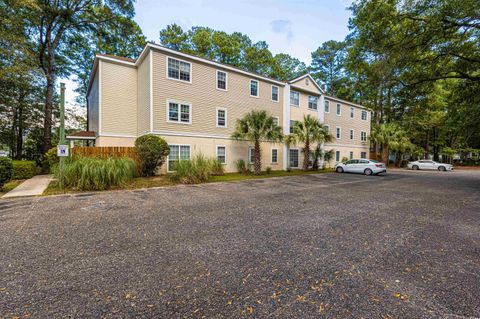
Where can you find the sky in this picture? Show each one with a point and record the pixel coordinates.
(288, 26)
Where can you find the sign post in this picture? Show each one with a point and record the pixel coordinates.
(62, 148)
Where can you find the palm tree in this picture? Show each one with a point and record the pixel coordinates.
(390, 135)
(257, 127)
(308, 132)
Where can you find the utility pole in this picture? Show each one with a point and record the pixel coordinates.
(62, 132)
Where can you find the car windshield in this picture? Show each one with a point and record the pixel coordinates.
(374, 161)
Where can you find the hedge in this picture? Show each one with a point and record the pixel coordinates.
(24, 169)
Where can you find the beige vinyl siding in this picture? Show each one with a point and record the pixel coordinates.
(143, 89)
(114, 141)
(302, 85)
(93, 99)
(119, 99)
(297, 113)
(204, 98)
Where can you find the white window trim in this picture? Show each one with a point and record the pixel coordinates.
(327, 127)
(216, 153)
(179, 112)
(352, 112)
(336, 109)
(278, 94)
(179, 145)
(308, 99)
(173, 79)
(226, 80)
(298, 152)
(328, 107)
(250, 149)
(336, 128)
(350, 155)
(250, 88)
(278, 120)
(352, 134)
(366, 118)
(298, 99)
(216, 117)
(271, 156)
(339, 156)
(361, 138)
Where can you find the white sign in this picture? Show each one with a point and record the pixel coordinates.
(62, 150)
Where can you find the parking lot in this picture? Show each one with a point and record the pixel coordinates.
(402, 245)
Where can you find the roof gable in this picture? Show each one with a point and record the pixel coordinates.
(308, 83)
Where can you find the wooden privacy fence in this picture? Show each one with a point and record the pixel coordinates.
(105, 151)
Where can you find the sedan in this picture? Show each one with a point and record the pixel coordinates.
(432, 165)
(361, 166)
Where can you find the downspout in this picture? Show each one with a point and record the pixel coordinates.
(286, 123)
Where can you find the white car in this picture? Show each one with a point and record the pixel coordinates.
(427, 164)
(361, 166)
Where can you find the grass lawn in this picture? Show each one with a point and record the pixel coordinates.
(164, 180)
(10, 185)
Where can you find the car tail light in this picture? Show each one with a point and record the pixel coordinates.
(378, 165)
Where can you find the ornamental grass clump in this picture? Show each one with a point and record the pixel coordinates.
(96, 174)
(199, 169)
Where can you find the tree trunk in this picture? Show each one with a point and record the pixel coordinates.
(306, 155)
(427, 137)
(385, 153)
(47, 120)
(18, 154)
(257, 160)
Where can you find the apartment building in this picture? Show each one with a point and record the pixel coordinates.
(194, 103)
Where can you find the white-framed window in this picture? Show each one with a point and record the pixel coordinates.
(177, 152)
(179, 70)
(352, 134)
(222, 79)
(276, 120)
(275, 91)
(364, 115)
(221, 117)
(251, 155)
(352, 112)
(179, 112)
(274, 156)
(338, 133)
(222, 154)
(292, 124)
(327, 106)
(363, 154)
(294, 98)
(351, 155)
(293, 157)
(312, 102)
(339, 109)
(254, 88)
(363, 136)
(327, 128)
(337, 156)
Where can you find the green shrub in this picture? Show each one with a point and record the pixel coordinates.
(96, 174)
(344, 159)
(6, 170)
(199, 169)
(242, 167)
(152, 151)
(268, 170)
(24, 169)
(51, 157)
(218, 168)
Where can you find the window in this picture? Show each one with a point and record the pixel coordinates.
(177, 152)
(251, 155)
(337, 156)
(275, 120)
(221, 80)
(274, 156)
(275, 93)
(351, 134)
(293, 158)
(222, 154)
(351, 155)
(292, 124)
(179, 70)
(363, 161)
(221, 117)
(294, 98)
(352, 112)
(364, 115)
(327, 128)
(339, 132)
(363, 136)
(327, 106)
(179, 112)
(254, 88)
(312, 102)
(339, 109)
(363, 155)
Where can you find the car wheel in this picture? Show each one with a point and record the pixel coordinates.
(339, 170)
(368, 172)
(442, 168)
(415, 167)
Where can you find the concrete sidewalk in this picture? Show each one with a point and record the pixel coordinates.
(31, 187)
